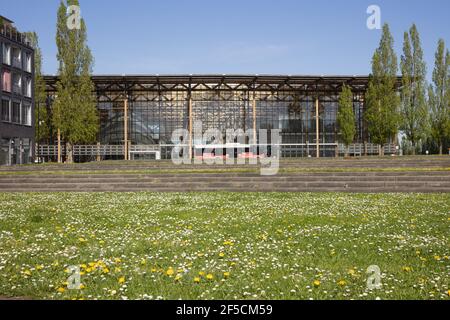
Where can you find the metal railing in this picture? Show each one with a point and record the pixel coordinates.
(360, 149)
(13, 34)
(98, 150)
(357, 149)
(49, 150)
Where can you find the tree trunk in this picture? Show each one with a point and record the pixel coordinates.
(381, 150)
(441, 149)
(413, 149)
(69, 153)
(59, 146)
(347, 151)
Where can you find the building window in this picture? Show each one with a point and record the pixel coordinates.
(16, 83)
(26, 114)
(28, 62)
(16, 112)
(5, 110)
(17, 58)
(6, 81)
(28, 87)
(6, 54)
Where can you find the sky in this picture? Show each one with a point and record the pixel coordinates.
(289, 37)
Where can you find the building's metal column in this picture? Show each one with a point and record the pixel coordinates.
(255, 137)
(317, 129)
(190, 124)
(125, 128)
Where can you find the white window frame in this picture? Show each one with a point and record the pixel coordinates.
(20, 66)
(28, 87)
(13, 74)
(28, 61)
(6, 53)
(27, 108)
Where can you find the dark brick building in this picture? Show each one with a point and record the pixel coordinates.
(17, 96)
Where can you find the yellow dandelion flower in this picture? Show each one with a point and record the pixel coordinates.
(342, 283)
(197, 279)
(39, 267)
(448, 293)
(178, 277)
(82, 286)
(407, 269)
(226, 275)
(117, 260)
(143, 262)
(27, 272)
(105, 270)
(121, 280)
(117, 269)
(89, 269)
(82, 240)
(221, 255)
(170, 272)
(316, 283)
(201, 273)
(209, 276)
(61, 290)
(437, 258)
(83, 266)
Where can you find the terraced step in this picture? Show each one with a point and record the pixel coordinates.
(164, 176)
(299, 183)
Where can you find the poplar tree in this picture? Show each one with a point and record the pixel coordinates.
(382, 101)
(41, 118)
(439, 97)
(414, 111)
(74, 111)
(346, 118)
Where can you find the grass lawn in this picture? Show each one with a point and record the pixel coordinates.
(225, 245)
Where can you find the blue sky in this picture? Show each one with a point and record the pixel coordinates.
(316, 37)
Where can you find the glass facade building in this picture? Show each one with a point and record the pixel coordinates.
(303, 108)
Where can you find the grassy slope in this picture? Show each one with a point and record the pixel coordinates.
(274, 246)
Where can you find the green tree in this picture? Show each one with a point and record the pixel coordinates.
(41, 118)
(74, 111)
(414, 111)
(382, 101)
(439, 97)
(346, 118)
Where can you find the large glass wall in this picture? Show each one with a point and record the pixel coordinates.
(154, 115)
